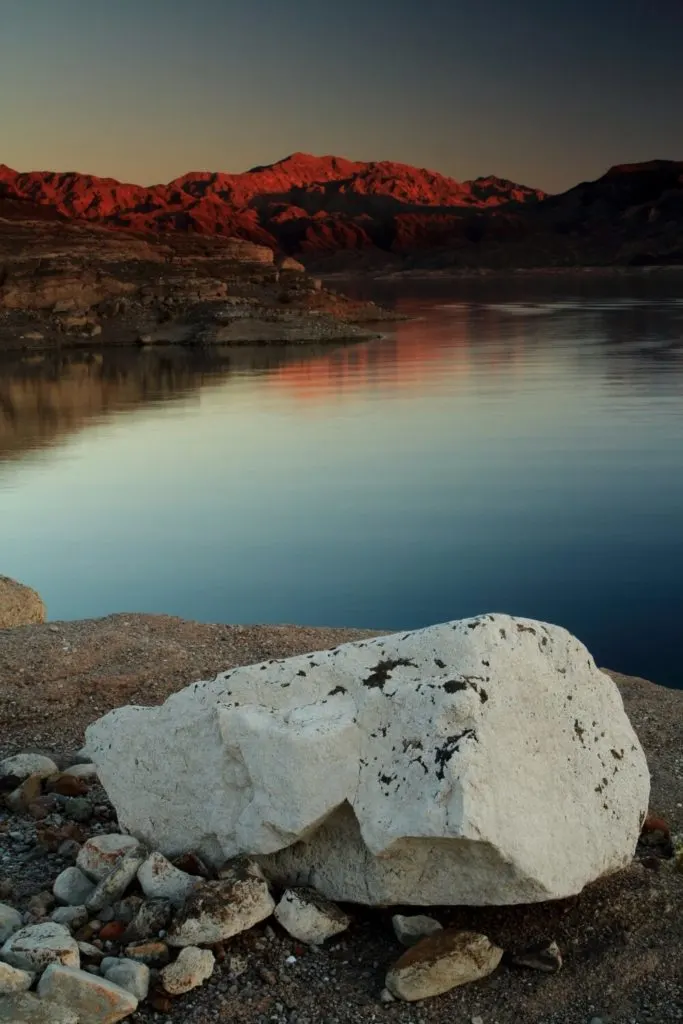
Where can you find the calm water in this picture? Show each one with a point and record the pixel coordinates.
(514, 448)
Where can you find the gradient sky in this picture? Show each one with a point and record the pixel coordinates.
(546, 92)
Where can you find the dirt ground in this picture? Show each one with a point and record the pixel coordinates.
(621, 940)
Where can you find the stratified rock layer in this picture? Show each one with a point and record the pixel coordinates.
(486, 761)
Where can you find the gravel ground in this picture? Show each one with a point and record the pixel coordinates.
(622, 939)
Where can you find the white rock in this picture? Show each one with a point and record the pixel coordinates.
(23, 765)
(28, 1009)
(13, 980)
(87, 772)
(10, 921)
(112, 887)
(34, 947)
(159, 879)
(132, 976)
(72, 918)
(94, 999)
(215, 911)
(99, 854)
(192, 968)
(309, 917)
(459, 764)
(72, 888)
(409, 930)
(441, 962)
(90, 952)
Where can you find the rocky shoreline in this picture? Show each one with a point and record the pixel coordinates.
(70, 285)
(619, 943)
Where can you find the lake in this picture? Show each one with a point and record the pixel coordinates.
(516, 446)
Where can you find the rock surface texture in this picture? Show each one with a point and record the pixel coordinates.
(485, 761)
(19, 605)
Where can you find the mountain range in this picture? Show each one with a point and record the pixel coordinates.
(334, 212)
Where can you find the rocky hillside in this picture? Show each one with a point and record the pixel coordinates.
(303, 203)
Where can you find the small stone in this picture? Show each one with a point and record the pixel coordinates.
(13, 980)
(6, 888)
(153, 954)
(112, 931)
(100, 853)
(66, 785)
(267, 975)
(160, 880)
(10, 922)
(94, 999)
(215, 911)
(69, 849)
(546, 957)
(477, 1020)
(107, 962)
(410, 929)
(385, 996)
(239, 965)
(152, 917)
(72, 918)
(192, 864)
(78, 809)
(192, 968)
(309, 917)
(87, 772)
(127, 909)
(441, 962)
(34, 947)
(42, 807)
(26, 793)
(22, 765)
(72, 888)
(90, 952)
(112, 887)
(129, 974)
(28, 1009)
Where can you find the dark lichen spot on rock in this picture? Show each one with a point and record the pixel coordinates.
(337, 689)
(443, 754)
(454, 685)
(525, 629)
(578, 729)
(503, 634)
(473, 625)
(301, 673)
(387, 779)
(383, 670)
(487, 663)
(618, 754)
(483, 695)
(439, 663)
(570, 696)
(544, 641)
(285, 685)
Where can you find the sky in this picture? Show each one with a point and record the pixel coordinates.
(545, 93)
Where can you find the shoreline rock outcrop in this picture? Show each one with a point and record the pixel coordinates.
(486, 761)
(19, 604)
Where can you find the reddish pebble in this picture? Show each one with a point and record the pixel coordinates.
(112, 931)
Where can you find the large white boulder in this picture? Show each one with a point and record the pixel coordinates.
(486, 761)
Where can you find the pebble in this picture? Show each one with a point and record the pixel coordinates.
(25, 1008)
(87, 772)
(215, 911)
(152, 917)
(159, 879)
(192, 968)
(154, 954)
(72, 917)
(99, 854)
(78, 809)
(309, 917)
(38, 945)
(129, 974)
(91, 997)
(22, 765)
(10, 921)
(72, 888)
(441, 962)
(113, 886)
(410, 929)
(545, 957)
(13, 980)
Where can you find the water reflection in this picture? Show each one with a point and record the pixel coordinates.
(506, 449)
